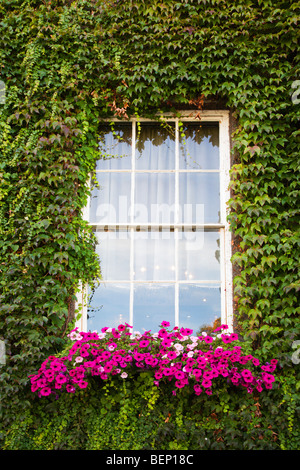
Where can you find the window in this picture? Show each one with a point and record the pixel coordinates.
(159, 216)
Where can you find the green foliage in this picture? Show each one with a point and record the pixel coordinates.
(67, 65)
(132, 415)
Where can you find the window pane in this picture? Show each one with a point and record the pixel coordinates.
(155, 148)
(109, 306)
(115, 147)
(113, 249)
(199, 149)
(199, 306)
(153, 303)
(199, 255)
(154, 198)
(199, 197)
(111, 202)
(154, 256)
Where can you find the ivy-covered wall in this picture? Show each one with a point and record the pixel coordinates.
(68, 64)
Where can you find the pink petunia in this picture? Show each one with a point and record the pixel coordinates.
(56, 366)
(255, 361)
(122, 327)
(198, 389)
(49, 374)
(179, 375)
(45, 391)
(168, 371)
(171, 354)
(61, 379)
(206, 383)
(180, 383)
(82, 384)
(208, 339)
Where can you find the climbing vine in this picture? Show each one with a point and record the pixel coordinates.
(66, 66)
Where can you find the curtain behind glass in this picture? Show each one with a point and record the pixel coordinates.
(155, 148)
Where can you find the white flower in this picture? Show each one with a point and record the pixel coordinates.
(124, 375)
(190, 353)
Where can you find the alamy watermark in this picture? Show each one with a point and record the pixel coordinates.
(2, 92)
(296, 354)
(154, 215)
(296, 93)
(2, 353)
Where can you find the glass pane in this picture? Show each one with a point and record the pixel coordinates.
(154, 198)
(199, 255)
(109, 306)
(152, 304)
(113, 249)
(154, 256)
(155, 148)
(199, 307)
(115, 147)
(199, 148)
(199, 198)
(111, 202)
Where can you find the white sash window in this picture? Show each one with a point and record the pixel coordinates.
(159, 215)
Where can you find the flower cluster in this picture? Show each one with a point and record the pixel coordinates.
(176, 356)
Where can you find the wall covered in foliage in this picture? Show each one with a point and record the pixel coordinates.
(68, 64)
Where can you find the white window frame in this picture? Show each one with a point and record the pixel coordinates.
(222, 118)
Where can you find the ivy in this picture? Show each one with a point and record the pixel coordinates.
(66, 66)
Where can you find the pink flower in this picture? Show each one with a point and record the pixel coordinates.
(247, 375)
(206, 383)
(168, 371)
(255, 361)
(171, 354)
(208, 374)
(122, 327)
(165, 324)
(179, 375)
(45, 391)
(162, 333)
(226, 338)
(82, 384)
(61, 379)
(144, 343)
(158, 374)
(208, 339)
(138, 356)
(56, 366)
(268, 378)
(197, 389)
(234, 337)
(179, 383)
(186, 331)
(49, 374)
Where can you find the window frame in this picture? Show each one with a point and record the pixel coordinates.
(222, 118)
